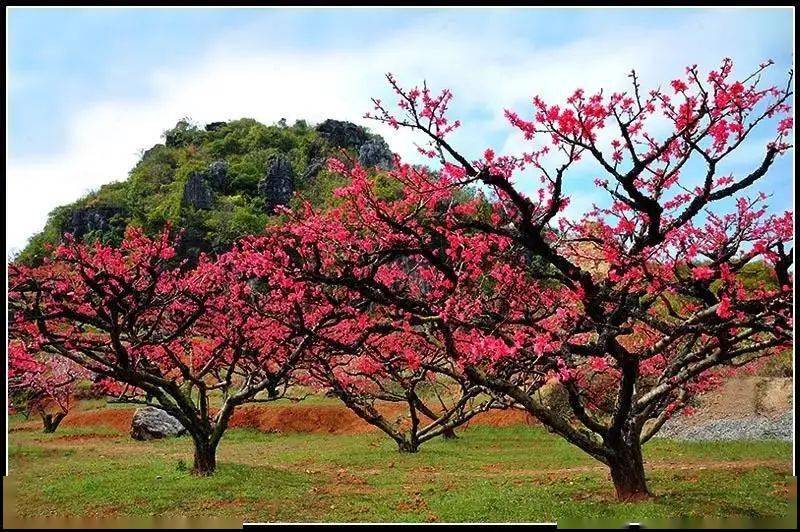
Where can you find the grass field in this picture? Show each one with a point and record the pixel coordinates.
(489, 474)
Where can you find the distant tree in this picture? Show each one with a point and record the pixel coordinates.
(41, 383)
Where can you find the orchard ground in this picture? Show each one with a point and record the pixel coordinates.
(502, 468)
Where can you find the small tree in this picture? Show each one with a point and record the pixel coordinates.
(400, 369)
(365, 357)
(182, 336)
(634, 307)
(41, 383)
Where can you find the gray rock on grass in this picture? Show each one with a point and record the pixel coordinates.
(150, 423)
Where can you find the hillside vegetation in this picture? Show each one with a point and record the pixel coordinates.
(216, 183)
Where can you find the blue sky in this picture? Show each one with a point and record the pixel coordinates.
(90, 88)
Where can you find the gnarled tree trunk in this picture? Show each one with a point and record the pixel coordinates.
(51, 421)
(627, 472)
(205, 456)
(447, 434)
(407, 446)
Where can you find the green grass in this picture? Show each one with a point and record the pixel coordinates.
(488, 474)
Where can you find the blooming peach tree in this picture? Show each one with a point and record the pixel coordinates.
(377, 363)
(633, 307)
(151, 327)
(42, 383)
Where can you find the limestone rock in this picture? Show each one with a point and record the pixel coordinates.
(150, 423)
(343, 134)
(313, 168)
(197, 192)
(217, 175)
(375, 152)
(277, 186)
(213, 126)
(94, 218)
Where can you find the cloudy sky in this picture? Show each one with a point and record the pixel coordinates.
(89, 89)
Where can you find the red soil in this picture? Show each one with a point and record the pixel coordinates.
(738, 397)
(339, 420)
(300, 418)
(113, 418)
(504, 418)
(320, 419)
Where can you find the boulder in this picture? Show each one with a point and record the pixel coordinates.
(343, 134)
(375, 152)
(197, 193)
(277, 186)
(150, 423)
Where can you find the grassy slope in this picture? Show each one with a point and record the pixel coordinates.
(489, 474)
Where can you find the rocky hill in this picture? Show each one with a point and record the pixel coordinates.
(216, 183)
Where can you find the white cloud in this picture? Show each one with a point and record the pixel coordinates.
(487, 72)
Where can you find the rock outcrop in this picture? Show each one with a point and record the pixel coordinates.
(342, 134)
(213, 126)
(277, 186)
(217, 175)
(372, 150)
(94, 218)
(197, 192)
(150, 423)
(375, 152)
(317, 157)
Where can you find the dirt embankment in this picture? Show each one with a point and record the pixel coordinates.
(744, 397)
(319, 419)
(333, 419)
(741, 398)
(745, 408)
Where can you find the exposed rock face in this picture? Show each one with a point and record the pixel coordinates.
(217, 175)
(375, 152)
(197, 192)
(372, 150)
(88, 219)
(213, 126)
(317, 157)
(149, 153)
(150, 423)
(313, 168)
(343, 134)
(277, 186)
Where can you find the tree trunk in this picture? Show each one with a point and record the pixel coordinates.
(405, 446)
(51, 421)
(627, 473)
(447, 434)
(205, 458)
